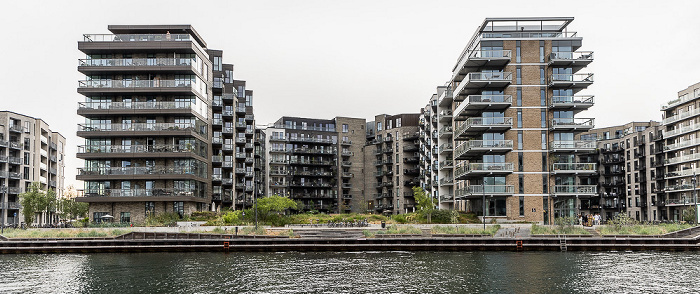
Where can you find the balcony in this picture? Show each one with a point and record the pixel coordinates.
(240, 110)
(476, 81)
(575, 190)
(447, 181)
(574, 168)
(15, 176)
(482, 58)
(483, 169)
(572, 146)
(445, 148)
(110, 85)
(486, 190)
(157, 192)
(575, 103)
(476, 125)
(136, 64)
(445, 116)
(14, 190)
(95, 130)
(681, 115)
(447, 164)
(571, 81)
(86, 174)
(474, 148)
(475, 104)
(16, 128)
(682, 173)
(684, 158)
(98, 151)
(571, 124)
(679, 130)
(682, 144)
(574, 60)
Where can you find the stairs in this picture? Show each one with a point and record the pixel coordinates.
(562, 243)
(329, 233)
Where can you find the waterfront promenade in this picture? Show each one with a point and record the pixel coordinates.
(512, 237)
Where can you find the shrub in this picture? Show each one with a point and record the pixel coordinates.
(400, 218)
(203, 215)
(444, 216)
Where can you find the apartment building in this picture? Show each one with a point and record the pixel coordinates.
(318, 162)
(512, 104)
(681, 125)
(159, 108)
(627, 157)
(391, 163)
(29, 152)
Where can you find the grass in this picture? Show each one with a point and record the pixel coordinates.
(643, 229)
(490, 230)
(62, 233)
(394, 230)
(556, 230)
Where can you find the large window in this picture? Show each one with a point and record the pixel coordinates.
(125, 217)
(179, 208)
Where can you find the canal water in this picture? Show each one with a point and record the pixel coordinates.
(353, 272)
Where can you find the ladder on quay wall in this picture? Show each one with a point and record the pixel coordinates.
(562, 243)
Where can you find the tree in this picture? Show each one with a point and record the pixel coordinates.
(70, 209)
(30, 202)
(424, 203)
(276, 204)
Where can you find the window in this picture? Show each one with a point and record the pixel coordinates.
(398, 122)
(517, 51)
(125, 217)
(544, 184)
(389, 125)
(217, 63)
(97, 216)
(26, 158)
(27, 144)
(544, 162)
(179, 208)
(520, 118)
(542, 75)
(543, 97)
(26, 173)
(544, 140)
(520, 140)
(543, 118)
(522, 205)
(541, 51)
(519, 97)
(518, 77)
(520, 162)
(379, 126)
(521, 184)
(345, 128)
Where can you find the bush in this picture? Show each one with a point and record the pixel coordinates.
(162, 219)
(490, 230)
(400, 218)
(444, 217)
(203, 215)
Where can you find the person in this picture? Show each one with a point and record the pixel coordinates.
(580, 219)
(167, 35)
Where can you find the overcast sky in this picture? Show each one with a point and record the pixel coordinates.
(349, 58)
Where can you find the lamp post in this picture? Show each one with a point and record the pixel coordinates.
(483, 202)
(255, 202)
(695, 197)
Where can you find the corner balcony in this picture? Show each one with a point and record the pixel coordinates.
(120, 195)
(574, 168)
(137, 151)
(476, 81)
(571, 81)
(142, 86)
(483, 169)
(682, 144)
(176, 65)
(575, 103)
(475, 191)
(474, 148)
(574, 60)
(475, 104)
(109, 108)
(477, 125)
(445, 131)
(572, 146)
(96, 43)
(445, 116)
(575, 190)
(140, 129)
(140, 173)
(571, 124)
(447, 164)
(446, 148)
(475, 59)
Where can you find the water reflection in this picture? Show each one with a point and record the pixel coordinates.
(348, 272)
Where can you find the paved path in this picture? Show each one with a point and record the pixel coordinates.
(513, 232)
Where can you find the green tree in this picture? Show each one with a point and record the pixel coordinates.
(424, 203)
(30, 201)
(689, 215)
(275, 204)
(70, 209)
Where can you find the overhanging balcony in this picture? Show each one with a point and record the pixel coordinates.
(474, 148)
(115, 86)
(477, 125)
(572, 146)
(129, 151)
(130, 194)
(575, 190)
(680, 130)
(166, 129)
(476, 81)
(95, 65)
(107, 108)
(476, 59)
(140, 172)
(475, 191)
(475, 104)
(574, 168)
(682, 144)
(571, 124)
(571, 81)
(575, 103)
(575, 60)
(483, 169)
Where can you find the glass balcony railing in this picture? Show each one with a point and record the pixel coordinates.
(575, 144)
(574, 78)
(135, 105)
(572, 56)
(157, 192)
(527, 35)
(141, 127)
(487, 189)
(569, 100)
(200, 172)
(489, 54)
(575, 189)
(136, 62)
(140, 149)
(136, 84)
(572, 122)
(574, 167)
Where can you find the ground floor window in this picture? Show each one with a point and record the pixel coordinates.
(150, 208)
(98, 216)
(125, 217)
(497, 206)
(179, 208)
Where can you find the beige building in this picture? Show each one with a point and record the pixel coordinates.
(29, 152)
(511, 109)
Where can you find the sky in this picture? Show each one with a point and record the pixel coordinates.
(348, 58)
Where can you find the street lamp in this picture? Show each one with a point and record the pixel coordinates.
(255, 202)
(695, 197)
(483, 202)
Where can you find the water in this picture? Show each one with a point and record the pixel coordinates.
(348, 272)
